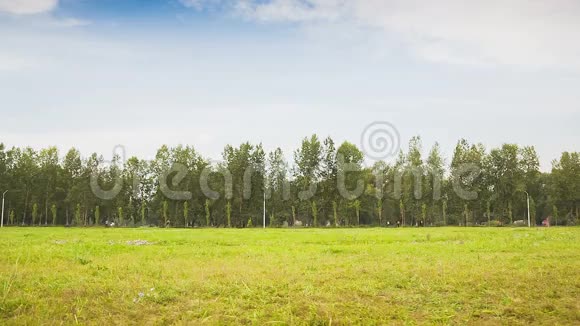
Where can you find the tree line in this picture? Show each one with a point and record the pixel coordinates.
(326, 185)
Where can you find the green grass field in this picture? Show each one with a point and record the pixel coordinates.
(290, 276)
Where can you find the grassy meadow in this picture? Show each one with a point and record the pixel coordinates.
(290, 276)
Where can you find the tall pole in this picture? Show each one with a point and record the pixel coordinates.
(264, 209)
(2, 220)
(528, 200)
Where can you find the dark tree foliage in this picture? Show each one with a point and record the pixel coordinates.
(327, 185)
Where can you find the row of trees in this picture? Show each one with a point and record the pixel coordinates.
(325, 186)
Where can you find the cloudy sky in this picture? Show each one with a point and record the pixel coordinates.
(96, 73)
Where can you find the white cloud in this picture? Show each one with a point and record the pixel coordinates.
(201, 4)
(71, 22)
(518, 32)
(197, 4)
(27, 7)
(294, 10)
(10, 62)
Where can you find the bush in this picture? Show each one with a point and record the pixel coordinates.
(493, 223)
(520, 223)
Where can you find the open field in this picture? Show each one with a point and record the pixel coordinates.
(290, 276)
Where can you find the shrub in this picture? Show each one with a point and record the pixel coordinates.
(495, 223)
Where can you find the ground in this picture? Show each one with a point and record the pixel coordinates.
(290, 276)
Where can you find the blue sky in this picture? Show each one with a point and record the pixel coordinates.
(96, 73)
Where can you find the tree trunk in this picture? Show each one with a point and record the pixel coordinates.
(85, 204)
(25, 207)
(46, 208)
(176, 212)
(240, 219)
